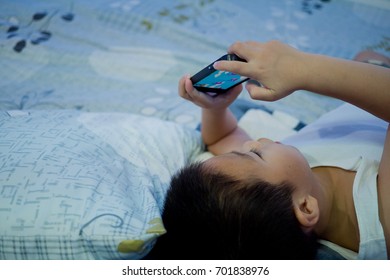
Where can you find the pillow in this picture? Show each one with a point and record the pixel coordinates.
(79, 185)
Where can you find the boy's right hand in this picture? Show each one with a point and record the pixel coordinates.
(278, 67)
(204, 100)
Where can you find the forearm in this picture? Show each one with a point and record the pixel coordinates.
(361, 84)
(216, 124)
(282, 70)
(220, 131)
(219, 128)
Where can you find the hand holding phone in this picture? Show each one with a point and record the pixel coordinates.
(211, 80)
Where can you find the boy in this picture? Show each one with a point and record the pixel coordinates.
(267, 200)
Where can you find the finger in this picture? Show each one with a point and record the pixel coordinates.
(194, 95)
(244, 50)
(238, 48)
(190, 90)
(186, 88)
(261, 93)
(236, 67)
(181, 88)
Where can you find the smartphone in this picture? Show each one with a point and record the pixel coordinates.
(211, 80)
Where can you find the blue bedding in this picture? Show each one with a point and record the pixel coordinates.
(127, 55)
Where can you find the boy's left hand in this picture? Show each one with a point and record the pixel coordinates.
(204, 100)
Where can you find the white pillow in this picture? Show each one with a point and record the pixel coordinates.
(86, 185)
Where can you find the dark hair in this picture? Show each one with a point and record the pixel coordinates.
(210, 215)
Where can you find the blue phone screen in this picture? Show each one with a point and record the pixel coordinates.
(220, 79)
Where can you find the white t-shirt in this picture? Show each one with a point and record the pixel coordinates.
(352, 139)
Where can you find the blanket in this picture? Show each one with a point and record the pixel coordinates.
(127, 55)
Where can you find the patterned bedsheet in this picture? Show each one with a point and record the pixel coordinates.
(127, 55)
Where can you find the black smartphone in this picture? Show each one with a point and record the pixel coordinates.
(211, 80)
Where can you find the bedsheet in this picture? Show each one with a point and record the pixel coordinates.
(127, 55)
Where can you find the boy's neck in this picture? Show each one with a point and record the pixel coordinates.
(338, 222)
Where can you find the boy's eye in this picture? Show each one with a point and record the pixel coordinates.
(256, 152)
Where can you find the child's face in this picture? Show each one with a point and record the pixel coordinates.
(269, 161)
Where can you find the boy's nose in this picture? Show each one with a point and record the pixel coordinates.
(264, 141)
(258, 144)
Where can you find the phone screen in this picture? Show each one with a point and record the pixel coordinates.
(220, 80)
(211, 80)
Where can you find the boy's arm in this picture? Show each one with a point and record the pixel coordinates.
(282, 70)
(384, 190)
(220, 131)
(364, 85)
(219, 127)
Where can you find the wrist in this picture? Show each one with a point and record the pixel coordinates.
(214, 111)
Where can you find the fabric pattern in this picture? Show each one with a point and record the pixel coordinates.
(127, 55)
(79, 185)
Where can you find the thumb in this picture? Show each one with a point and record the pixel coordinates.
(258, 92)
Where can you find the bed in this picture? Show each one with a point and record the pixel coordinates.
(92, 128)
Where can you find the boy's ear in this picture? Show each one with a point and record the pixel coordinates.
(307, 212)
